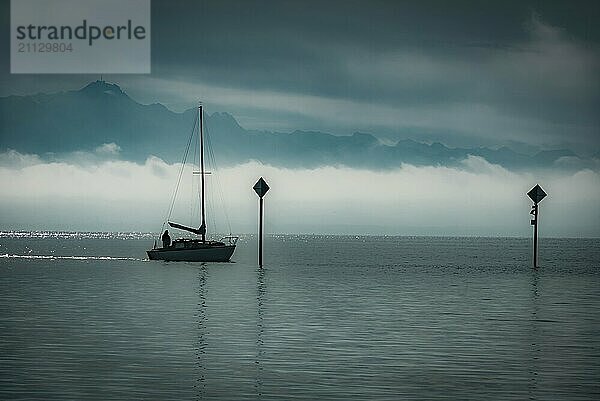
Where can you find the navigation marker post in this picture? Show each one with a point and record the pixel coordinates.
(536, 194)
(261, 189)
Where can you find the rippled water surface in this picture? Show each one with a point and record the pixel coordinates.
(86, 316)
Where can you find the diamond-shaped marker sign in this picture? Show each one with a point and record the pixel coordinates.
(261, 187)
(536, 194)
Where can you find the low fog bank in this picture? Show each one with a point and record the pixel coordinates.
(96, 191)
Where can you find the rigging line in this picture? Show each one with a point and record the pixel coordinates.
(219, 186)
(217, 179)
(210, 198)
(198, 182)
(210, 207)
(194, 181)
(197, 188)
(184, 158)
(214, 175)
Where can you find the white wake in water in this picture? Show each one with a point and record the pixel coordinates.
(52, 257)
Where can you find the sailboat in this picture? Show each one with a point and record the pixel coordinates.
(195, 249)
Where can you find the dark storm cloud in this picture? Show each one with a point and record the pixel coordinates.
(298, 44)
(510, 71)
(464, 58)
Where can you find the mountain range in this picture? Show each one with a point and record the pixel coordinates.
(102, 112)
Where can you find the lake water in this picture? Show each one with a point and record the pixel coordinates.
(86, 316)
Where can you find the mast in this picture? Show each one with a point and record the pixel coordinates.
(201, 129)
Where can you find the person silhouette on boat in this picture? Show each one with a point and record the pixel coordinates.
(166, 239)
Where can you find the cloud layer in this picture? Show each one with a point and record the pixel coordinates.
(476, 198)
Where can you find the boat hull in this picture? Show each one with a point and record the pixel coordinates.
(208, 253)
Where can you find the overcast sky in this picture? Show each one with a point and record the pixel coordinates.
(466, 73)
(463, 72)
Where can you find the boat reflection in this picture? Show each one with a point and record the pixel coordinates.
(200, 348)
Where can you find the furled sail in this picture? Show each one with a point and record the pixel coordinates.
(199, 231)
